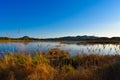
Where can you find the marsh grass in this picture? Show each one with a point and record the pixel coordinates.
(57, 64)
(25, 67)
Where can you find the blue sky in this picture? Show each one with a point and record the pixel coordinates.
(56, 18)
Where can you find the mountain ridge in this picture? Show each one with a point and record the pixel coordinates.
(69, 38)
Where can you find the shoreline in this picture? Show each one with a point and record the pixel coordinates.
(69, 41)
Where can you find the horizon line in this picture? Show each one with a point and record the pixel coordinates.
(58, 36)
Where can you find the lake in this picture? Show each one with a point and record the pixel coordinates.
(74, 49)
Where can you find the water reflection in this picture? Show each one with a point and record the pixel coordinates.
(74, 49)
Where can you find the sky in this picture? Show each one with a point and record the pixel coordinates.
(58, 18)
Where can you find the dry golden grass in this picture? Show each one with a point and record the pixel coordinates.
(57, 64)
(17, 40)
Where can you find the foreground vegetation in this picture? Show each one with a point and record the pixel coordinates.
(57, 64)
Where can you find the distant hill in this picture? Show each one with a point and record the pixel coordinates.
(85, 37)
(74, 38)
(67, 38)
(21, 38)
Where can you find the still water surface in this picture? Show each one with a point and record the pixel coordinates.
(73, 49)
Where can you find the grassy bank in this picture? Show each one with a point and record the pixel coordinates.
(57, 64)
(17, 40)
(63, 41)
